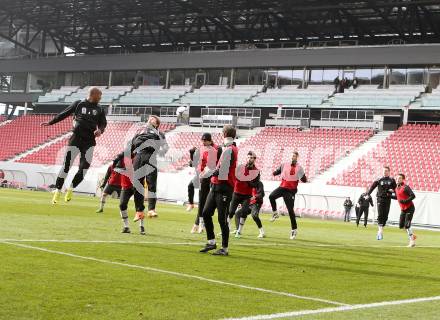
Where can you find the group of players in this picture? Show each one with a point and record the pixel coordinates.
(224, 185)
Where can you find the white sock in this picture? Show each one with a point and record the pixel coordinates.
(212, 241)
(201, 222)
(124, 216)
(101, 206)
(241, 225)
(380, 229)
(141, 223)
(225, 249)
(409, 231)
(261, 230)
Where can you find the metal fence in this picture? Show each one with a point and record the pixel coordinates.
(240, 117)
(347, 115)
(132, 111)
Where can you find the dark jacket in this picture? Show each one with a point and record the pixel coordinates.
(385, 187)
(87, 117)
(150, 143)
(365, 200)
(348, 204)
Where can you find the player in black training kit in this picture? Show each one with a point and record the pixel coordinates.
(146, 146)
(194, 183)
(89, 122)
(385, 188)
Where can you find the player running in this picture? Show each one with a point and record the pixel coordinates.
(247, 178)
(110, 184)
(385, 187)
(405, 196)
(219, 197)
(89, 122)
(291, 174)
(255, 204)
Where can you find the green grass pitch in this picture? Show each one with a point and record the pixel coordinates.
(84, 268)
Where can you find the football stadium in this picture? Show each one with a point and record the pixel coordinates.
(200, 159)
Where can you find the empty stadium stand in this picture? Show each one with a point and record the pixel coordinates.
(432, 99)
(57, 94)
(180, 143)
(108, 145)
(318, 148)
(108, 94)
(153, 95)
(292, 96)
(310, 212)
(25, 132)
(369, 96)
(220, 95)
(413, 150)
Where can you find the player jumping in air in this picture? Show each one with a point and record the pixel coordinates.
(405, 196)
(89, 122)
(291, 174)
(146, 146)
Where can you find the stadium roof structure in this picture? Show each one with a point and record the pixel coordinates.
(108, 26)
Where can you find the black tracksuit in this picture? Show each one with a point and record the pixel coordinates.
(364, 202)
(87, 117)
(204, 183)
(219, 196)
(146, 146)
(385, 187)
(191, 186)
(347, 206)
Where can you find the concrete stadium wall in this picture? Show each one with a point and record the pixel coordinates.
(173, 186)
(396, 55)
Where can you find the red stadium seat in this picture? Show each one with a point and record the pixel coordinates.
(413, 150)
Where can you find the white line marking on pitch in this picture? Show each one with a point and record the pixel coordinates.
(194, 243)
(178, 274)
(336, 309)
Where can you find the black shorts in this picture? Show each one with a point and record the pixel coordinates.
(109, 189)
(406, 218)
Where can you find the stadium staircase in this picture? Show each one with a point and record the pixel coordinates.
(351, 158)
(63, 138)
(30, 133)
(412, 149)
(108, 145)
